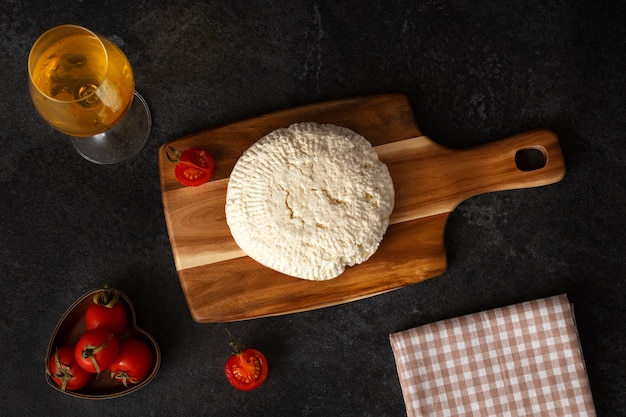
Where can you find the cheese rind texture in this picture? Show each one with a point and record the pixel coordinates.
(309, 200)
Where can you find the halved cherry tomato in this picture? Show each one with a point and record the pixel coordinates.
(246, 369)
(64, 370)
(96, 350)
(106, 311)
(133, 362)
(193, 166)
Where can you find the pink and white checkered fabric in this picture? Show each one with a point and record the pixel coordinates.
(520, 360)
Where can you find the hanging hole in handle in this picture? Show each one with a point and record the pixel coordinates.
(531, 159)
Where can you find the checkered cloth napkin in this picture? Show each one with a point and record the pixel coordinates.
(520, 360)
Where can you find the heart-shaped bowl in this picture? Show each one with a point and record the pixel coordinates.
(72, 326)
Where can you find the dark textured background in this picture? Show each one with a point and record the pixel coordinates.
(474, 71)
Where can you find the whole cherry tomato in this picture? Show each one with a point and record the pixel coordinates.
(193, 166)
(246, 369)
(106, 311)
(96, 350)
(133, 362)
(64, 370)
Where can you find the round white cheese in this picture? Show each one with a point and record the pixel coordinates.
(309, 200)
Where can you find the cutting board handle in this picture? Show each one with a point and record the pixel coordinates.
(431, 179)
(525, 160)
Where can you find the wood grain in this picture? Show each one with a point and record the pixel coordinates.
(221, 283)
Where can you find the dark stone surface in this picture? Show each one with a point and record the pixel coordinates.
(474, 72)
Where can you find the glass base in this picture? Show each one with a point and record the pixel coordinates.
(122, 141)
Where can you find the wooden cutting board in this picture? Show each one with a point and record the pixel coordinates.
(222, 284)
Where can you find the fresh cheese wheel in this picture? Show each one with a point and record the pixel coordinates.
(309, 200)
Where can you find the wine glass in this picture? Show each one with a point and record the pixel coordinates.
(83, 86)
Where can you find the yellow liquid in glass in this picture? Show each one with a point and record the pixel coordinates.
(78, 88)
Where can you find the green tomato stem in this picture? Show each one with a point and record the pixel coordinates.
(169, 151)
(89, 352)
(63, 371)
(237, 348)
(107, 298)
